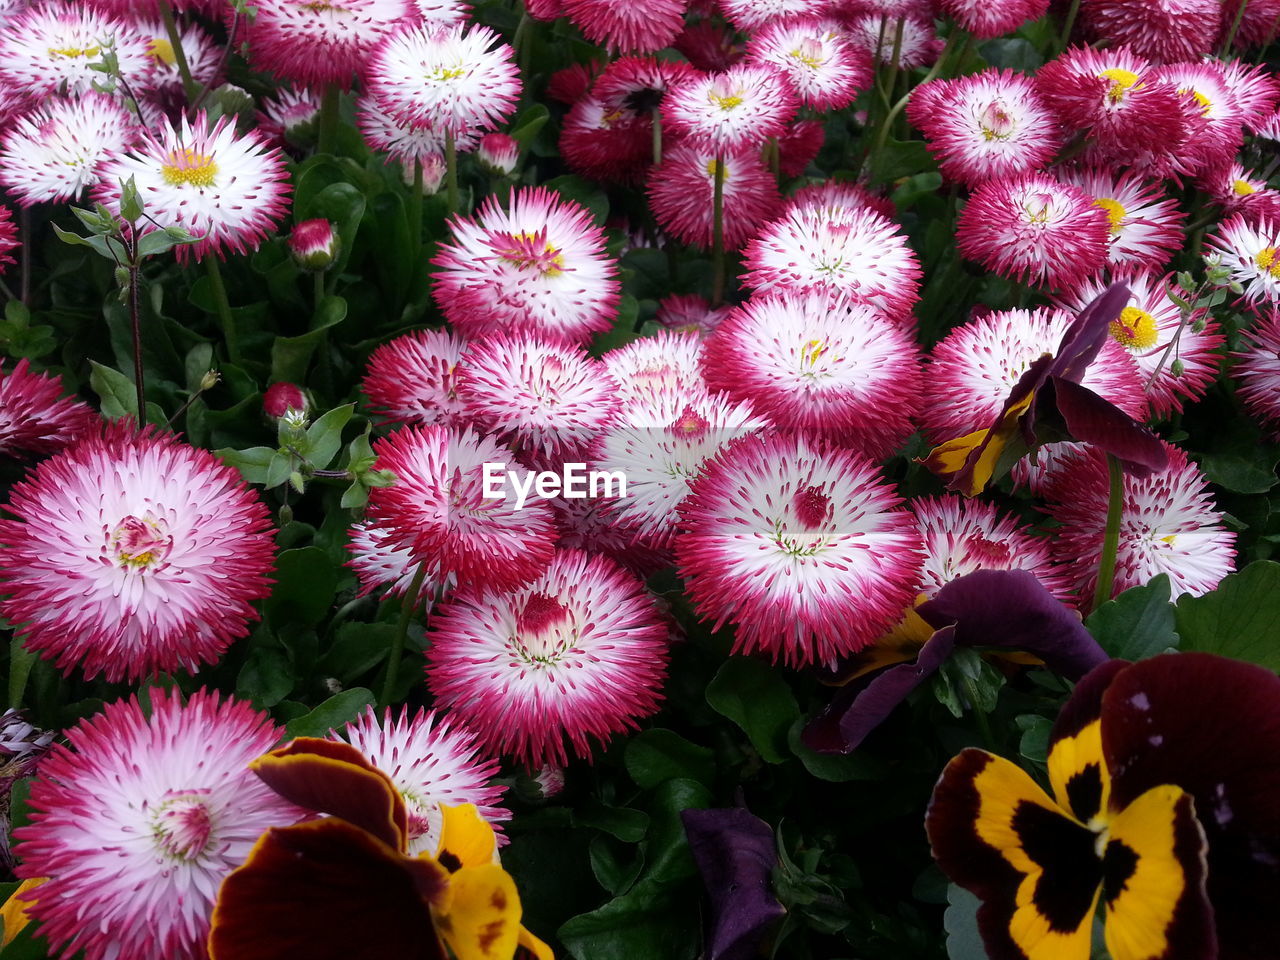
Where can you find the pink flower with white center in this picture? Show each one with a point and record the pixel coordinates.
(320, 43)
(752, 16)
(1216, 122)
(961, 536)
(988, 125)
(682, 187)
(538, 266)
(204, 57)
(826, 70)
(1146, 328)
(139, 817)
(286, 114)
(1165, 31)
(1254, 91)
(405, 143)
(972, 370)
(801, 546)
(834, 197)
(34, 415)
(661, 443)
(1257, 372)
(1237, 191)
(742, 107)
(231, 191)
(608, 144)
(816, 363)
(446, 13)
(456, 80)
(499, 154)
(653, 366)
(574, 657)
(592, 524)
(414, 379)
(437, 509)
(1251, 251)
(127, 9)
(920, 46)
(50, 50)
(314, 244)
(1168, 524)
(1117, 98)
(431, 761)
(689, 313)
(622, 26)
(988, 19)
(131, 553)
(855, 252)
(1041, 470)
(1034, 229)
(543, 398)
(378, 563)
(1144, 223)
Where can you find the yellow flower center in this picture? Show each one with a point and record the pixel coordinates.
(725, 103)
(531, 251)
(1121, 81)
(140, 542)
(1266, 260)
(1205, 104)
(812, 351)
(1135, 329)
(445, 74)
(72, 52)
(162, 50)
(1241, 188)
(996, 122)
(1038, 207)
(1114, 210)
(189, 167)
(808, 53)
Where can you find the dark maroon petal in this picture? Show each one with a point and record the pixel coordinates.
(1012, 609)
(1210, 725)
(735, 853)
(335, 778)
(1086, 335)
(858, 709)
(326, 890)
(1095, 421)
(1085, 704)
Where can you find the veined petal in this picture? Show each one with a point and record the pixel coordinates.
(483, 917)
(1095, 421)
(466, 838)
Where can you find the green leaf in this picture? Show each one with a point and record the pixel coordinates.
(758, 700)
(252, 463)
(615, 865)
(324, 437)
(358, 648)
(266, 677)
(964, 942)
(339, 709)
(305, 584)
(528, 124)
(651, 920)
(624, 823)
(278, 470)
(1240, 619)
(900, 158)
(1137, 624)
(1240, 474)
(836, 769)
(657, 755)
(1012, 53)
(667, 847)
(291, 356)
(572, 187)
(1034, 744)
(119, 394)
(198, 362)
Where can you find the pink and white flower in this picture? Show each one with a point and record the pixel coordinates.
(1250, 250)
(826, 70)
(741, 107)
(1145, 225)
(34, 415)
(681, 191)
(51, 48)
(624, 26)
(414, 379)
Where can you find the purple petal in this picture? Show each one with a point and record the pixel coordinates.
(857, 710)
(1085, 337)
(1012, 609)
(735, 853)
(1095, 421)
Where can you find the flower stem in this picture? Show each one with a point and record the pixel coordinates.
(984, 725)
(137, 344)
(1068, 25)
(948, 51)
(327, 131)
(1230, 38)
(657, 137)
(415, 211)
(408, 604)
(219, 291)
(717, 234)
(189, 85)
(1111, 535)
(451, 171)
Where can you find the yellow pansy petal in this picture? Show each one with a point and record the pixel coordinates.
(535, 947)
(466, 838)
(483, 917)
(14, 911)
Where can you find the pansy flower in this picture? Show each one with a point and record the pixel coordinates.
(354, 862)
(1049, 395)
(1161, 811)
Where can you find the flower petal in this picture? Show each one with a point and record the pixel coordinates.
(335, 778)
(466, 839)
(1011, 608)
(1095, 421)
(327, 890)
(1084, 338)
(735, 852)
(483, 918)
(14, 911)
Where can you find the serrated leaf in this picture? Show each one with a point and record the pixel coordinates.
(1137, 624)
(1240, 619)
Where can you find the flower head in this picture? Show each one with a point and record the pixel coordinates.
(799, 545)
(1257, 371)
(453, 79)
(1145, 225)
(682, 187)
(407, 143)
(204, 56)
(52, 48)
(624, 26)
(920, 47)
(138, 819)
(157, 570)
(414, 379)
(379, 562)
(826, 70)
(285, 116)
(283, 399)
(55, 152)
(1251, 251)
(314, 244)
(987, 19)
(610, 144)
(653, 366)
(577, 655)
(1035, 229)
(741, 107)
(1166, 31)
(499, 154)
(228, 190)
(689, 313)
(35, 417)
(538, 266)
(752, 16)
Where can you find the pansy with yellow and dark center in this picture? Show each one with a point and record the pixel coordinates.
(343, 887)
(1159, 811)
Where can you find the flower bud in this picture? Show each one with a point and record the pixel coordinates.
(433, 171)
(281, 398)
(314, 245)
(499, 154)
